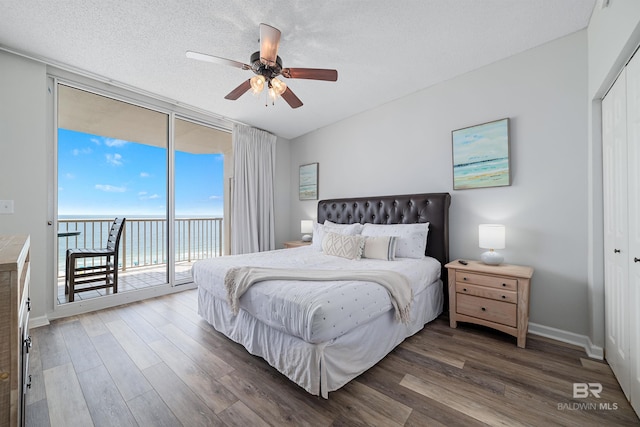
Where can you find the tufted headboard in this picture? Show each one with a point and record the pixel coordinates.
(406, 209)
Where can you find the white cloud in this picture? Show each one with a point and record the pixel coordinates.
(77, 151)
(144, 175)
(109, 142)
(69, 175)
(114, 159)
(96, 141)
(110, 188)
(215, 197)
(143, 196)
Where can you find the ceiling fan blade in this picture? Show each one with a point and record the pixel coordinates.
(310, 73)
(269, 41)
(217, 60)
(291, 98)
(239, 91)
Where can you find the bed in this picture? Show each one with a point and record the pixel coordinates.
(321, 334)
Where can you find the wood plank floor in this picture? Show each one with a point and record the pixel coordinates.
(156, 363)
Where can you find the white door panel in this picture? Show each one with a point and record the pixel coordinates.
(633, 191)
(616, 231)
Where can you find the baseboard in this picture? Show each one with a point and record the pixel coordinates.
(36, 322)
(593, 351)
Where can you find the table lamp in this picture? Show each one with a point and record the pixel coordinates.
(306, 228)
(491, 236)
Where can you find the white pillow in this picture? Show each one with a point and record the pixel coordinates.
(319, 231)
(355, 228)
(345, 246)
(411, 238)
(380, 247)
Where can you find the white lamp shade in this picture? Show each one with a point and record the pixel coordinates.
(306, 226)
(491, 236)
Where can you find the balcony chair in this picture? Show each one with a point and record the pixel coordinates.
(106, 272)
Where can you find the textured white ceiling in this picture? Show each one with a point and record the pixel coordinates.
(382, 49)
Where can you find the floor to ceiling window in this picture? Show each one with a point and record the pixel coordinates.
(165, 175)
(201, 157)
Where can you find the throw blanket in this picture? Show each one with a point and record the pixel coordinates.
(239, 279)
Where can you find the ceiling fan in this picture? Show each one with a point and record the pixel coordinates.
(267, 66)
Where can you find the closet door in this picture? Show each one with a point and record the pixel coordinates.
(614, 144)
(633, 150)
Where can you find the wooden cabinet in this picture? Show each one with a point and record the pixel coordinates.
(491, 295)
(295, 244)
(14, 327)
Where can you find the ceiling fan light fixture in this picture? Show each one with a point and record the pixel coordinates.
(278, 86)
(267, 66)
(257, 84)
(273, 95)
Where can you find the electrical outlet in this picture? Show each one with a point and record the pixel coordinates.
(6, 206)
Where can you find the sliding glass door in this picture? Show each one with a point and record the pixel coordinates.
(118, 159)
(200, 155)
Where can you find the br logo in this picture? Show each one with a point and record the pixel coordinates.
(583, 390)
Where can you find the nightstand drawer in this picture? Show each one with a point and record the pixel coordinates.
(486, 292)
(488, 309)
(493, 281)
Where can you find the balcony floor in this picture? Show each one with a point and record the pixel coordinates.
(130, 280)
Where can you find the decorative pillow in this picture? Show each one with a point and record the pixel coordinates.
(319, 231)
(380, 247)
(344, 246)
(411, 238)
(355, 228)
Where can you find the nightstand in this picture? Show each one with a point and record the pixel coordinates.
(295, 244)
(496, 296)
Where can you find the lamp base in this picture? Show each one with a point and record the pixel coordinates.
(306, 238)
(492, 258)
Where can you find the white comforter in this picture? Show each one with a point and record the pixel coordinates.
(314, 311)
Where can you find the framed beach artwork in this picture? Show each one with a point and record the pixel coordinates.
(308, 183)
(481, 156)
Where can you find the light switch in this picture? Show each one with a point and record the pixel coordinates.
(6, 206)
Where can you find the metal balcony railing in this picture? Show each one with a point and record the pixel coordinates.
(144, 240)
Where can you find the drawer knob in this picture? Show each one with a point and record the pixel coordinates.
(464, 278)
(504, 284)
(464, 289)
(504, 297)
(484, 309)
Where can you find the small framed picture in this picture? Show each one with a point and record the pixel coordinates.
(308, 183)
(481, 156)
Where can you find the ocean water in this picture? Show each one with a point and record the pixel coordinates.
(486, 173)
(144, 239)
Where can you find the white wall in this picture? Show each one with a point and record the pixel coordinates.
(405, 147)
(613, 35)
(23, 163)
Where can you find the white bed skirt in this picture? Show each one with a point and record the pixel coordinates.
(324, 367)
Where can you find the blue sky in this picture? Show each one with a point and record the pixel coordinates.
(111, 177)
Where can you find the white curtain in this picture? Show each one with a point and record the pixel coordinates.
(252, 222)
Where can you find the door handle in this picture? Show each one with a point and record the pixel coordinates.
(636, 259)
(616, 251)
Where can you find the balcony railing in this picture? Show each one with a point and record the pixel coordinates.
(144, 240)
